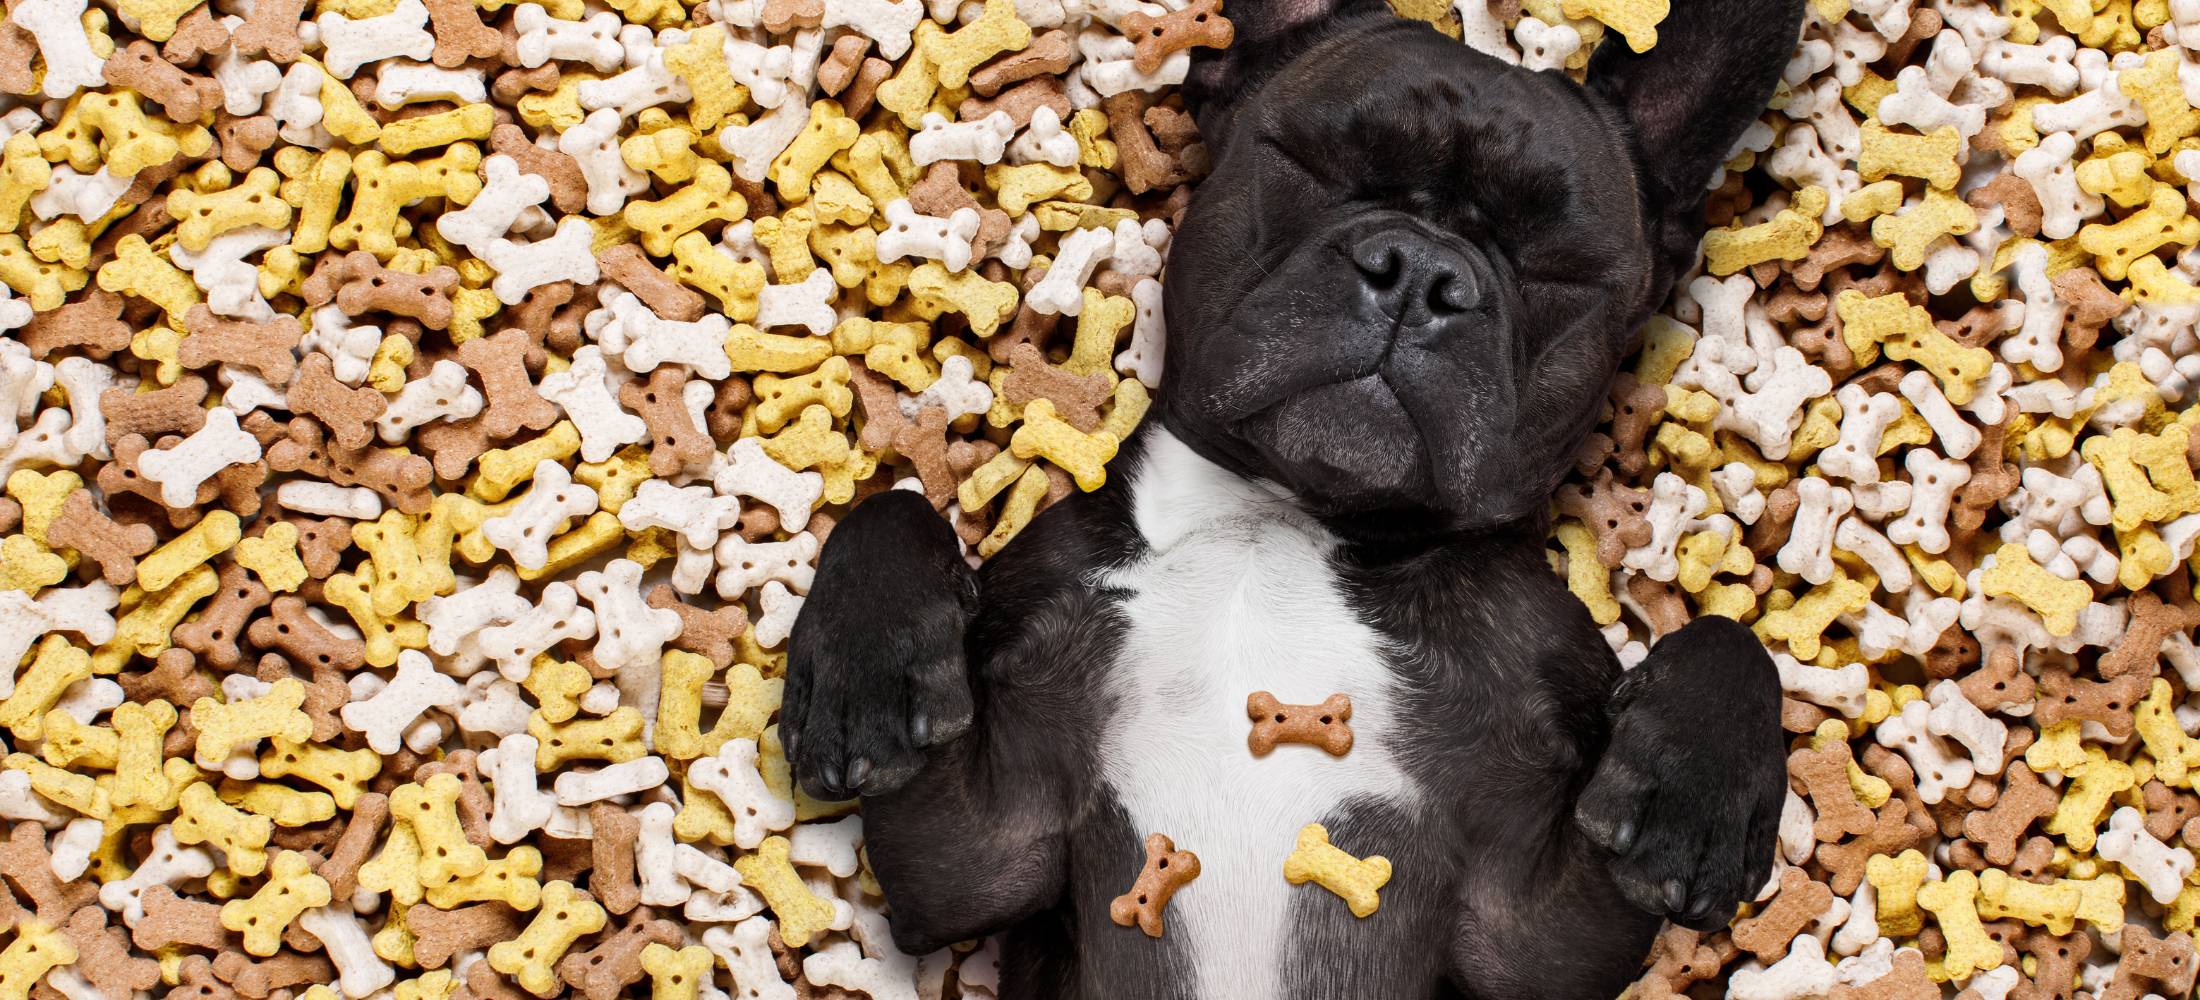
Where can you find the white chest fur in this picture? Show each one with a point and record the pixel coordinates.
(1236, 596)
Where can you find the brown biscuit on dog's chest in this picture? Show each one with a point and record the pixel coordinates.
(1324, 725)
(1167, 870)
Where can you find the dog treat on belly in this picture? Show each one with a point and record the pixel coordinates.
(1356, 880)
(1167, 870)
(1324, 725)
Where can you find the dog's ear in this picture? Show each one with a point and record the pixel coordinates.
(1689, 99)
(1268, 34)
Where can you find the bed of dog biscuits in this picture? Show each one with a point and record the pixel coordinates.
(424, 419)
(427, 414)
(1923, 416)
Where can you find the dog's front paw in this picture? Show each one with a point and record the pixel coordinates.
(1687, 797)
(875, 665)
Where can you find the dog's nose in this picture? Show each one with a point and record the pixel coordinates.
(1416, 279)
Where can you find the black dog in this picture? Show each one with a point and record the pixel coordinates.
(1394, 310)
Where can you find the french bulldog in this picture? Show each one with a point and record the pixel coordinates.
(1394, 310)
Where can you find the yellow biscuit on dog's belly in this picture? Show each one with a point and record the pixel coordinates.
(1357, 880)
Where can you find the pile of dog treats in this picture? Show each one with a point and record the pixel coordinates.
(423, 420)
(1924, 418)
(427, 414)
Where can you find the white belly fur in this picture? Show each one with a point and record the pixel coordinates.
(1236, 597)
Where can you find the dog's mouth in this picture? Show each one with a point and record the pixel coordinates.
(1345, 438)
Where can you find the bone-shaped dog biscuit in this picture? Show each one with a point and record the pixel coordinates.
(1167, 870)
(1325, 725)
(1356, 880)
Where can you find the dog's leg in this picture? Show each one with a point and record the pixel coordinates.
(962, 817)
(876, 668)
(1688, 794)
(1548, 923)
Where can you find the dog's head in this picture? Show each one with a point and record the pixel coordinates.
(1404, 290)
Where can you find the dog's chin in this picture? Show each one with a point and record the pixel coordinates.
(1345, 447)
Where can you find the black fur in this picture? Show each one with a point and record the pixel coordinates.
(1402, 296)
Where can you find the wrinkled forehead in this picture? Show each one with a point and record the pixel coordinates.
(1378, 55)
(1389, 98)
(1383, 68)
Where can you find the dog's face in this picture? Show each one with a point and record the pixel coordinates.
(1404, 290)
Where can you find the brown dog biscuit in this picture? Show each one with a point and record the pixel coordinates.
(613, 832)
(1197, 24)
(856, 98)
(400, 477)
(214, 632)
(1766, 933)
(327, 692)
(568, 186)
(1617, 515)
(459, 33)
(626, 264)
(1076, 398)
(1166, 871)
(511, 402)
(840, 65)
(1173, 129)
(923, 442)
(675, 442)
(1663, 608)
(440, 935)
(1049, 54)
(1635, 407)
(602, 972)
(244, 140)
(2167, 809)
(358, 283)
(473, 797)
(1144, 166)
(1892, 833)
(267, 347)
(115, 547)
(288, 629)
(172, 920)
(1824, 775)
(175, 409)
(782, 16)
(880, 406)
(513, 84)
(708, 634)
(2153, 622)
(271, 29)
(484, 983)
(2063, 695)
(92, 324)
(174, 679)
(347, 412)
(30, 870)
(1020, 101)
(1325, 725)
(2056, 961)
(197, 35)
(2168, 963)
(357, 844)
(1993, 477)
(197, 981)
(256, 980)
(103, 955)
(183, 97)
(941, 192)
